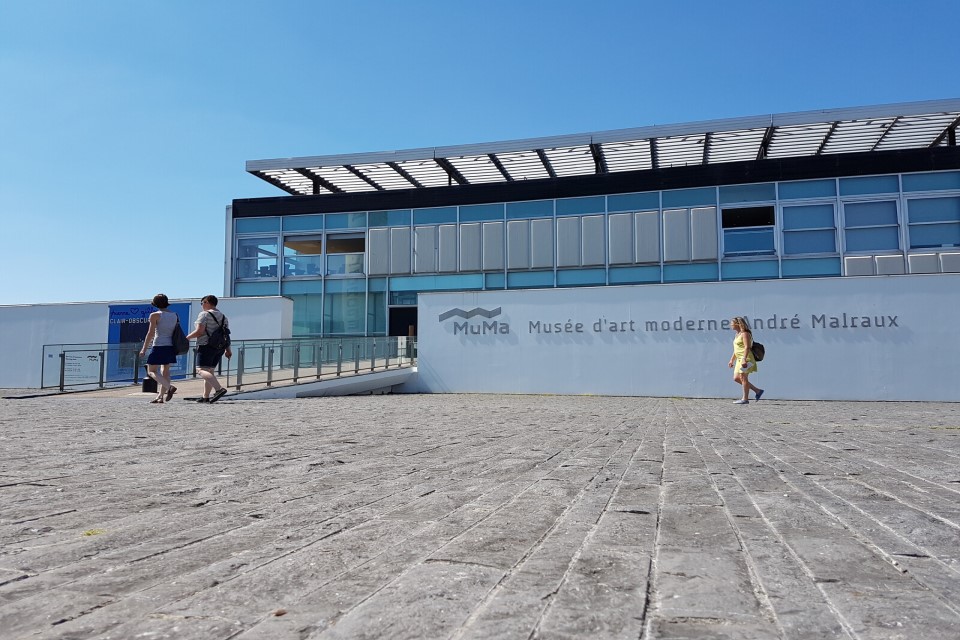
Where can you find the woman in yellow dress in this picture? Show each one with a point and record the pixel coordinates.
(742, 360)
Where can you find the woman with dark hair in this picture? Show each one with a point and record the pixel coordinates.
(743, 360)
(162, 353)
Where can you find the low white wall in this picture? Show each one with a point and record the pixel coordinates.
(563, 340)
(25, 329)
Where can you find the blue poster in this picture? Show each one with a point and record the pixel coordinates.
(128, 327)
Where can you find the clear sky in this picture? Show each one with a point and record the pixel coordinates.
(125, 124)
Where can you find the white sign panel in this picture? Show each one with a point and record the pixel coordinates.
(880, 338)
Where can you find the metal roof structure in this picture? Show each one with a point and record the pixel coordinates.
(913, 125)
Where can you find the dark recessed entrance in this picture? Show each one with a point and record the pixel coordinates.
(403, 321)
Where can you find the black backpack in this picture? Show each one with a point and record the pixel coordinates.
(219, 339)
(758, 351)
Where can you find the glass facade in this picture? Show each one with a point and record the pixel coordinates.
(346, 271)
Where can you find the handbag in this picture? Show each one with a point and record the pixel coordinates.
(180, 343)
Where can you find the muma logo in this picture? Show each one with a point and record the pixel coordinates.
(477, 327)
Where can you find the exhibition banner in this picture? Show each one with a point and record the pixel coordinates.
(128, 326)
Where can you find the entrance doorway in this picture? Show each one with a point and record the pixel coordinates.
(403, 321)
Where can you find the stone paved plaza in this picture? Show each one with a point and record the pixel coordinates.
(457, 516)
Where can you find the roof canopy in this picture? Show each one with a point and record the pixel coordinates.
(911, 125)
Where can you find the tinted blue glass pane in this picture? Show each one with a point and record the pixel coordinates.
(377, 284)
(750, 270)
(257, 247)
(803, 267)
(634, 202)
(256, 268)
(377, 314)
(823, 241)
(865, 214)
(878, 238)
(292, 287)
(931, 181)
(873, 184)
(581, 277)
(934, 210)
(437, 283)
(749, 241)
(255, 225)
(307, 314)
(691, 272)
(481, 212)
(535, 209)
(747, 193)
(303, 223)
(346, 220)
(345, 264)
(351, 285)
(256, 288)
(690, 198)
(303, 265)
(495, 281)
(435, 216)
(396, 218)
(577, 206)
(807, 189)
(808, 217)
(526, 280)
(630, 275)
(344, 313)
(934, 235)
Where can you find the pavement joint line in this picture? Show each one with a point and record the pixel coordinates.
(495, 590)
(834, 608)
(761, 593)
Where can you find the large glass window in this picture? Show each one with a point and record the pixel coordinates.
(871, 226)
(749, 231)
(345, 253)
(302, 255)
(257, 257)
(345, 307)
(934, 222)
(809, 229)
(307, 313)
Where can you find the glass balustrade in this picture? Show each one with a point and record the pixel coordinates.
(253, 362)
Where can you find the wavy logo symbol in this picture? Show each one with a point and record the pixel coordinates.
(466, 315)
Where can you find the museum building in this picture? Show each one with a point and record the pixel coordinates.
(866, 191)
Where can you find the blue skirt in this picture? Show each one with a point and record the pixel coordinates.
(162, 355)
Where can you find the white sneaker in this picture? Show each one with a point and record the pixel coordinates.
(741, 402)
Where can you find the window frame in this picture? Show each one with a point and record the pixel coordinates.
(897, 225)
(774, 251)
(242, 260)
(792, 204)
(909, 226)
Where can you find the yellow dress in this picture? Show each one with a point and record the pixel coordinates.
(738, 351)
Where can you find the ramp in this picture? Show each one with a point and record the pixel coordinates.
(360, 384)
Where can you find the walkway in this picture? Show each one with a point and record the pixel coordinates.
(450, 516)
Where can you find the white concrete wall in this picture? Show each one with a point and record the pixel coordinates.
(913, 356)
(25, 329)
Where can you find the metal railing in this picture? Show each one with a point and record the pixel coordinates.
(253, 362)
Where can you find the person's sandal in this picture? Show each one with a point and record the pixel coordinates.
(219, 394)
(170, 392)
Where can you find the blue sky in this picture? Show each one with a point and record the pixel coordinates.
(125, 124)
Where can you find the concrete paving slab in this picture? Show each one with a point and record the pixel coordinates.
(457, 516)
